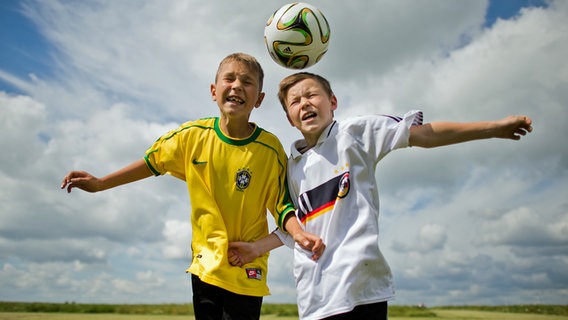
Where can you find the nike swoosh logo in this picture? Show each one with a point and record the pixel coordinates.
(198, 162)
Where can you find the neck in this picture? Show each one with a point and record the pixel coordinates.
(308, 143)
(236, 129)
(312, 138)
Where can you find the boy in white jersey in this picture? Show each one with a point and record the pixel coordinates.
(331, 176)
(235, 171)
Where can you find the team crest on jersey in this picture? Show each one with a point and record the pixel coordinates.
(344, 184)
(322, 198)
(242, 179)
(254, 273)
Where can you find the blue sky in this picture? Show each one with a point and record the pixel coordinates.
(509, 9)
(90, 85)
(23, 48)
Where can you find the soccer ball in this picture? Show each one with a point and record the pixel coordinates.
(297, 35)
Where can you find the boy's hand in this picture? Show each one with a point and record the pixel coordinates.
(82, 180)
(513, 127)
(306, 240)
(241, 253)
(310, 242)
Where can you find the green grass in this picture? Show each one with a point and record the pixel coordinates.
(169, 309)
(282, 310)
(559, 310)
(39, 310)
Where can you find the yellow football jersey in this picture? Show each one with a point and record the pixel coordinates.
(231, 184)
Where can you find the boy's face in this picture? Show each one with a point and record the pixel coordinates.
(236, 90)
(310, 108)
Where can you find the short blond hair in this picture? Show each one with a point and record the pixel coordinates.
(248, 60)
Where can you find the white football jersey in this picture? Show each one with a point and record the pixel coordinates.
(334, 189)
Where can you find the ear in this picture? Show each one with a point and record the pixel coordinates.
(213, 92)
(259, 100)
(333, 100)
(290, 120)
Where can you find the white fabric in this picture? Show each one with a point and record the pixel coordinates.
(333, 186)
(285, 237)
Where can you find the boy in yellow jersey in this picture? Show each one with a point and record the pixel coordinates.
(234, 171)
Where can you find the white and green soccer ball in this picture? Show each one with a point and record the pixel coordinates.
(297, 35)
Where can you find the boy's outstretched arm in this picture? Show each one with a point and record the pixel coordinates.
(437, 134)
(85, 181)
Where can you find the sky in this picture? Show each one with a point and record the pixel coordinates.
(89, 85)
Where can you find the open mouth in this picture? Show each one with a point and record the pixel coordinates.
(308, 115)
(235, 99)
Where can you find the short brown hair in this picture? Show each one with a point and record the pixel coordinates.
(291, 80)
(247, 59)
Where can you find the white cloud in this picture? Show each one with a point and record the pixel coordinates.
(178, 237)
(459, 224)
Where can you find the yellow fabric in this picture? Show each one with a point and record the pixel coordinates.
(231, 185)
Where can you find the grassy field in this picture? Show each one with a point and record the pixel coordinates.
(72, 311)
(439, 314)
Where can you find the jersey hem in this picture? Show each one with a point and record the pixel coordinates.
(347, 309)
(225, 286)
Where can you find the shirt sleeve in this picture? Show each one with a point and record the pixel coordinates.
(401, 128)
(377, 135)
(283, 205)
(285, 237)
(165, 156)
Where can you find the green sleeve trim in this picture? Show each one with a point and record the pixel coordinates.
(154, 171)
(283, 216)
